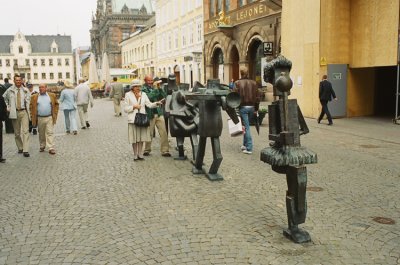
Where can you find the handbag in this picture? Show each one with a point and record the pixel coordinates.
(141, 119)
(235, 129)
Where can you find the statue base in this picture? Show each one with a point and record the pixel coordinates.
(297, 235)
(180, 158)
(214, 177)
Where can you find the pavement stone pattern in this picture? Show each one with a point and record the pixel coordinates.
(92, 204)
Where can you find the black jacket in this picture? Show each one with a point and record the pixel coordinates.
(3, 106)
(326, 92)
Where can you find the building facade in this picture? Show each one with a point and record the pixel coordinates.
(236, 33)
(179, 40)
(356, 43)
(38, 59)
(115, 21)
(139, 51)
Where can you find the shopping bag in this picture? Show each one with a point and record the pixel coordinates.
(235, 129)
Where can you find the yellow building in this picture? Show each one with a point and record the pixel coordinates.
(179, 33)
(354, 42)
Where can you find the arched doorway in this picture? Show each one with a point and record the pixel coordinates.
(218, 64)
(254, 55)
(235, 63)
(177, 74)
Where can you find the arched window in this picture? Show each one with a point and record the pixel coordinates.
(20, 49)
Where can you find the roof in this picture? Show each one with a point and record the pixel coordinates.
(132, 4)
(39, 43)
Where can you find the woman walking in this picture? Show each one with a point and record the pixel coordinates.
(68, 104)
(136, 101)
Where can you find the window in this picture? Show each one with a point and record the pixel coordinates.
(66, 62)
(183, 36)
(35, 76)
(125, 35)
(7, 62)
(67, 75)
(219, 6)
(54, 50)
(1, 62)
(51, 62)
(240, 3)
(27, 62)
(51, 76)
(60, 76)
(176, 39)
(43, 75)
(199, 31)
(59, 62)
(29, 76)
(169, 42)
(9, 76)
(42, 62)
(191, 32)
(34, 62)
(1, 76)
(212, 8)
(20, 49)
(15, 61)
(227, 5)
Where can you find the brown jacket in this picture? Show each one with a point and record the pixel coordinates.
(248, 91)
(54, 107)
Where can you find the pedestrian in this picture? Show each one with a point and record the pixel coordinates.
(326, 93)
(44, 110)
(231, 84)
(155, 93)
(135, 101)
(8, 122)
(68, 105)
(18, 99)
(117, 94)
(32, 129)
(3, 116)
(249, 103)
(83, 97)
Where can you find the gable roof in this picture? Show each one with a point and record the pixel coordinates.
(39, 43)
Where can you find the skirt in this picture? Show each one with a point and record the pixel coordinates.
(138, 134)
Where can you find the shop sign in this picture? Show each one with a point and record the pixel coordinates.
(268, 48)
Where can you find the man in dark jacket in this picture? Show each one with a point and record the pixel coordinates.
(3, 116)
(7, 122)
(326, 94)
(249, 103)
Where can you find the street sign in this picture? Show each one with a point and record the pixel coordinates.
(268, 48)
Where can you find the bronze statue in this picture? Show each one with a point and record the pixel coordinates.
(210, 100)
(285, 154)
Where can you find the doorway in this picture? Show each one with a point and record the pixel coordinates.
(255, 54)
(235, 63)
(385, 91)
(217, 61)
(177, 74)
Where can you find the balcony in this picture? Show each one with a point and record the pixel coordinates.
(21, 68)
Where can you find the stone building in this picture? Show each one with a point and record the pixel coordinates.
(236, 33)
(37, 58)
(356, 43)
(113, 22)
(180, 38)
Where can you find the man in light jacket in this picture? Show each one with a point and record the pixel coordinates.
(83, 97)
(18, 100)
(117, 94)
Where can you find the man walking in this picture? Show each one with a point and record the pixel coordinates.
(249, 103)
(83, 97)
(18, 99)
(117, 94)
(32, 129)
(3, 116)
(156, 94)
(325, 95)
(44, 109)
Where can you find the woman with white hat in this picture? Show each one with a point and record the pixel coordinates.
(68, 104)
(135, 102)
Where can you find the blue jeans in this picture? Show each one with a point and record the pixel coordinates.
(246, 113)
(70, 120)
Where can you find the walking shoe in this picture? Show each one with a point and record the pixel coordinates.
(331, 123)
(247, 152)
(83, 128)
(26, 154)
(146, 153)
(52, 152)
(2, 160)
(41, 149)
(319, 121)
(166, 154)
(140, 158)
(68, 132)
(20, 151)
(87, 124)
(34, 131)
(75, 132)
(243, 147)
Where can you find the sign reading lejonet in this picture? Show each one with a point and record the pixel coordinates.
(251, 11)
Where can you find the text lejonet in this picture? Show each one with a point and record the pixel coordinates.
(248, 13)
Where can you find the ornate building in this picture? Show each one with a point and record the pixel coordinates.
(113, 22)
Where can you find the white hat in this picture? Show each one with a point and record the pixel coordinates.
(136, 82)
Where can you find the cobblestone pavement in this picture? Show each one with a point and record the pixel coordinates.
(92, 204)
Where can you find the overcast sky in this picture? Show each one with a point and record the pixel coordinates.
(48, 17)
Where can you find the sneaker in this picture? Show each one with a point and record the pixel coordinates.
(68, 132)
(20, 151)
(26, 154)
(247, 152)
(87, 124)
(34, 131)
(243, 147)
(41, 149)
(75, 132)
(146, 153)
(83, 128)
(52, 152)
